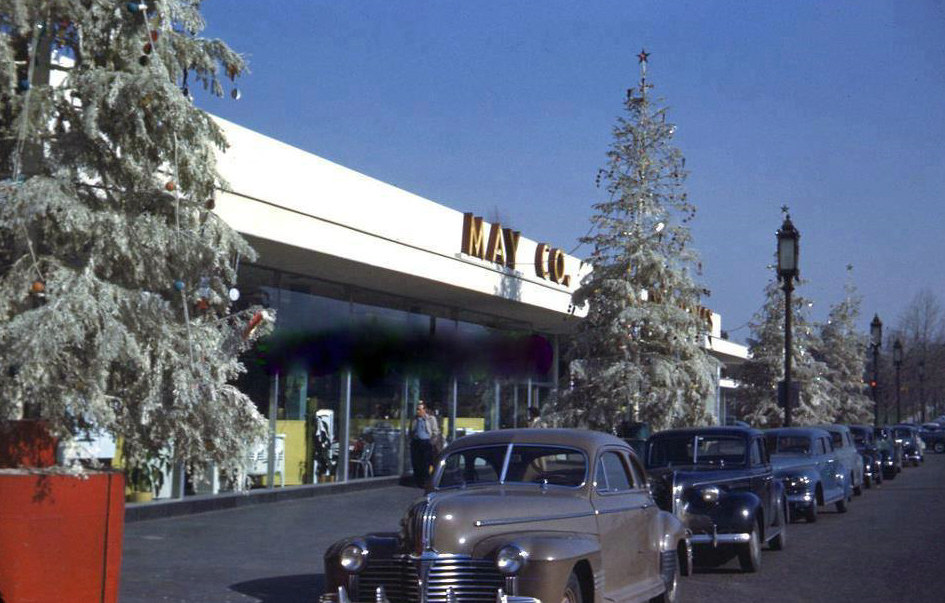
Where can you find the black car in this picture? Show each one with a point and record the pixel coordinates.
(933, 437)
(719, 482)
(872, 457)
(890, 450)
(912, 447)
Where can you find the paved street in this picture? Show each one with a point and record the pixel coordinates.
(889, 547)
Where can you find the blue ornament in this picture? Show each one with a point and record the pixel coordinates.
(179, 285)
(24, 85)
(134, 7)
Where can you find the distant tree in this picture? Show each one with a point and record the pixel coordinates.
(844, 349)
(116, 284)
(759, 376)
(639, 352)
(921, 327)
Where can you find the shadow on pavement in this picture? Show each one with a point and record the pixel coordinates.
(283, 589)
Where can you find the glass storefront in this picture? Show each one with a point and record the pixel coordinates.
(339, 379)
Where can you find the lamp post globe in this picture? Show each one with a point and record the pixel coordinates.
(788, 272)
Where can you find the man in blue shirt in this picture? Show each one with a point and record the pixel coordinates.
(424, 431)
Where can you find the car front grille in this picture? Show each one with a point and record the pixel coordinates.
(472, 580)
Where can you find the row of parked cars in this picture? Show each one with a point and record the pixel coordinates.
(531, 515)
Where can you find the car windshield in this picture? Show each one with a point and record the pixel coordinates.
(788, 444)
(723, 451)
(526, 464)
(902, 434)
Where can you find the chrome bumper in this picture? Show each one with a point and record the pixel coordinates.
(715, 539)
(381, 597)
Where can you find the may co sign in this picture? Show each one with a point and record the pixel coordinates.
(502, 245)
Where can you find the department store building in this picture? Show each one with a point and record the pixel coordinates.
(383, 299)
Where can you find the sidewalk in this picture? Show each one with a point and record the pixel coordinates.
(261, 552)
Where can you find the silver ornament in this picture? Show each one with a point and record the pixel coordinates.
(234, 294)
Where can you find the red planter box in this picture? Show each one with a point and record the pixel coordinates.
(60, 536)
(26, 443)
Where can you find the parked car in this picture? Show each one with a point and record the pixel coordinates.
(523, 515)
(806, 463)
(635, 434)
(891, 451)
(719, 481)
(913, 449)
(934, 437)
(872, 457)
(844, 448)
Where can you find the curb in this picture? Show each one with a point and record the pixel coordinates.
(191, 505)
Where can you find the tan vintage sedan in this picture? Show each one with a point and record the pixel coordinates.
(522, 515)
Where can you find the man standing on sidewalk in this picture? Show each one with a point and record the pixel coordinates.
(424, 431)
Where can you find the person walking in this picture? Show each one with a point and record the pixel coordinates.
(424, 431)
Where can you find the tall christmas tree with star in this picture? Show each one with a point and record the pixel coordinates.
(116, 277)
(639, 355)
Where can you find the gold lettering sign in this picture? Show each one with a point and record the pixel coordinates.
(511, 245)
(502, 248)
(541, 264)
(473, 239)
(495, 252)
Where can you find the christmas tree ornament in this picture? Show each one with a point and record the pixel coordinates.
(202, 304)
(211, 203)
(154, 35)
(24, 85)
(135, 7)
(143, 60)
(179, 285)
(204, 289)
(170, 186)
(235, 94)
(38, 287)
(147, 48)
(234, 294)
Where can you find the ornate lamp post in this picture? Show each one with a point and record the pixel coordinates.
(897, 361)
(876, 340)
(788, 250)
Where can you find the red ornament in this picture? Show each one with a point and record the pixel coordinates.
(202, 304)
(154, 35)
(254, 323)
(147, 48)
(38, 287)
(170, 186)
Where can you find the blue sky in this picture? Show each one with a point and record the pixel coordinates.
(836, 109)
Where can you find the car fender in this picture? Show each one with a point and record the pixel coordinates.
(671, 531)
(736, 512)
(551, 558)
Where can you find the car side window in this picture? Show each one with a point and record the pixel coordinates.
(614, 471)
(837, 440)
(639, 473)
(756, 452)
(828, 445)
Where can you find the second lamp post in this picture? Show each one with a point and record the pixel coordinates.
(788, 272)
(897, 362)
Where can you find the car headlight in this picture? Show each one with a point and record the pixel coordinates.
(710, 494)
(353, 557)
(510, 559)
(797, 482)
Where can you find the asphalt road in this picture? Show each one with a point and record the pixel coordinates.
(890, 546)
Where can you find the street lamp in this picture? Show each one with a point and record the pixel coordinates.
(788, 250)
(897, 361)
(876, 340)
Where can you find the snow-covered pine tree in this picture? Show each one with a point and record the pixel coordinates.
(757, 401)
(639, 354)
(843, 349)
(116, 277)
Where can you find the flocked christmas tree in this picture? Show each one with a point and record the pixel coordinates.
(843, 350)
(639, 355)
(117, 279)
(757, 400)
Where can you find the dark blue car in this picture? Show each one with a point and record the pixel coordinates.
(719, 482)
(804, 461)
